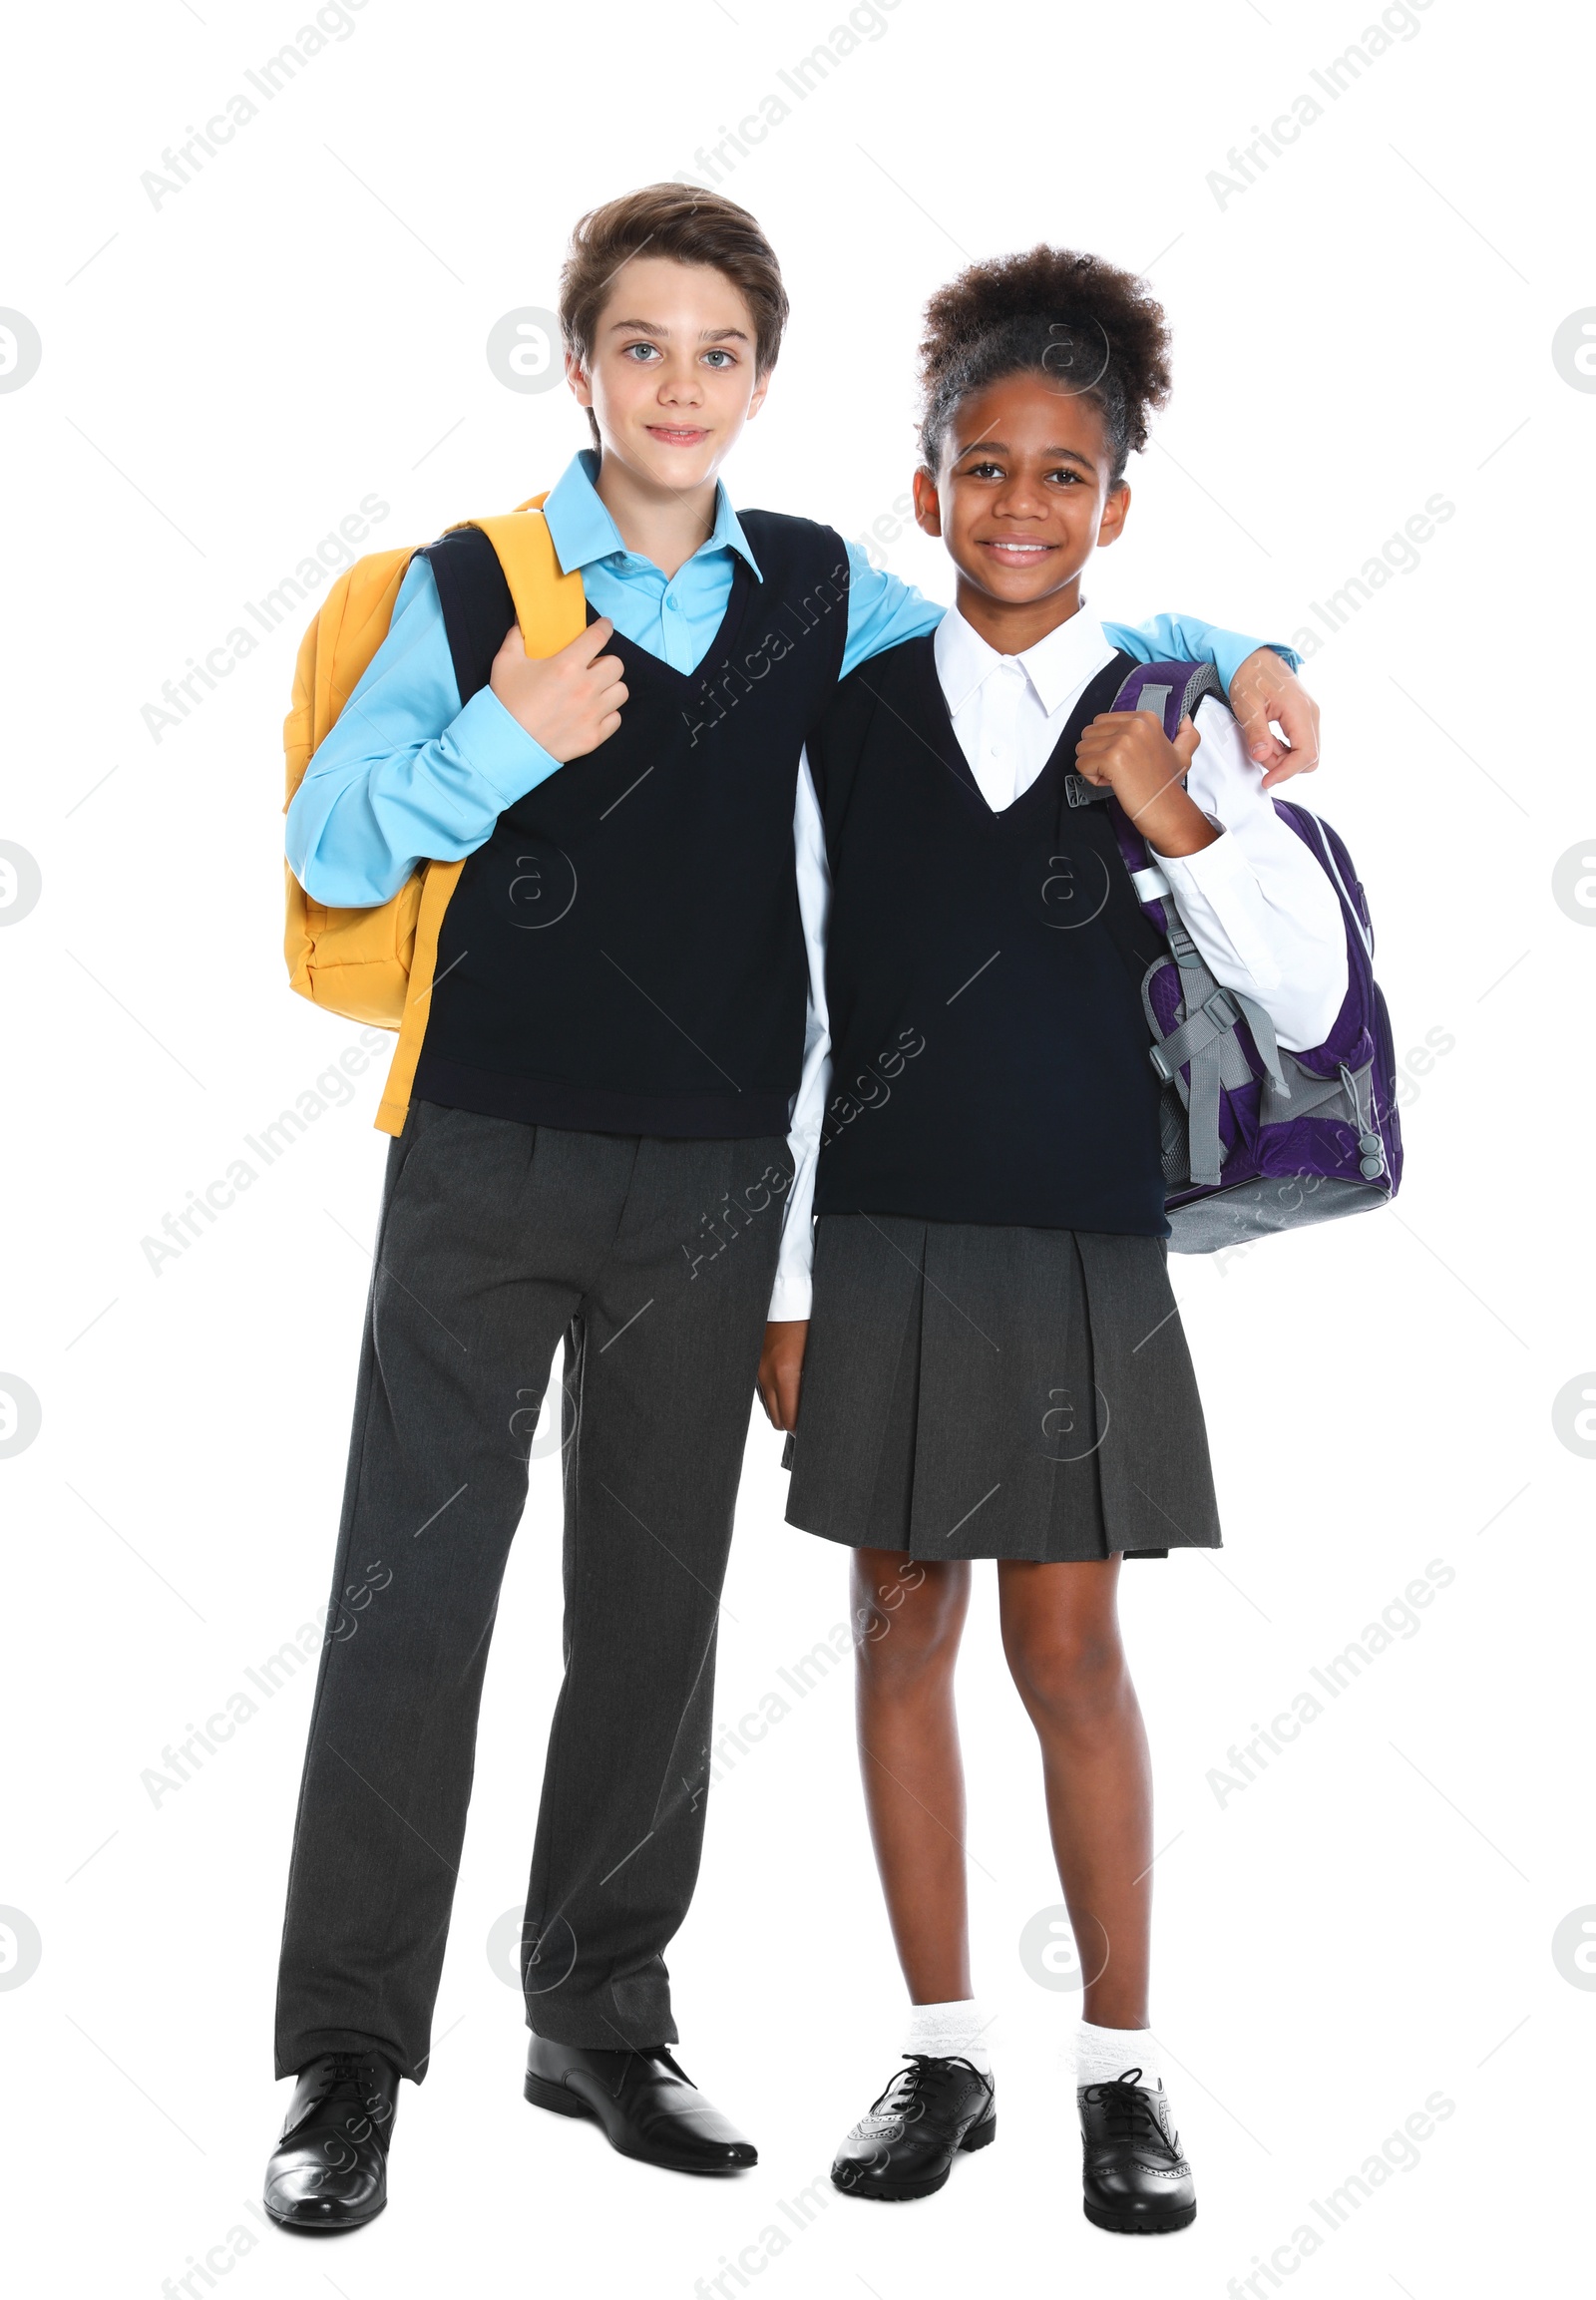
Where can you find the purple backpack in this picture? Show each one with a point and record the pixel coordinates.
(1256, 1137)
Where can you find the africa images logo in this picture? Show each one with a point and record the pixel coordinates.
(20, 349)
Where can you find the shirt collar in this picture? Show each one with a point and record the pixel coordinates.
(582, 529)
(1057, 666)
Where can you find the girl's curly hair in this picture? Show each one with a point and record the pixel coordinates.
(1092, 329)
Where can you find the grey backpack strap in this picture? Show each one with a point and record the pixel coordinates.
(1213, 1020)
(1171, 691)
(1200, 1040)
(1372, 1158)
(1204, 1150)
(1262, 1031)
(1195, 980)
(1207, 1040)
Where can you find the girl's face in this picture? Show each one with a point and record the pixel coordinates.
(1022, 499)
(673, 376)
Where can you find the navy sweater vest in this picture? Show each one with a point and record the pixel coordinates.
(983, 975)
(624, 953)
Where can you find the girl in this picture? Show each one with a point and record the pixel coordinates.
(997, 1367)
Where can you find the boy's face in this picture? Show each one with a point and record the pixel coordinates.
(672, 377)
(1022, 499)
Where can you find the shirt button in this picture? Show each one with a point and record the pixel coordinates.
(672, 601)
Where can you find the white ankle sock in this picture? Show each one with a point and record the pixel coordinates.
(1101, 2055)
(957, 2030)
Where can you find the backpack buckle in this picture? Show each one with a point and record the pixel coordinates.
(1079, 793)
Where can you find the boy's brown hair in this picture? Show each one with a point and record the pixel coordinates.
(688, 225)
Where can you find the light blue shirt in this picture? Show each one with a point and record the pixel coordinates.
(407, 771)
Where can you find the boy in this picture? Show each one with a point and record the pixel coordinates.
(614, 1043)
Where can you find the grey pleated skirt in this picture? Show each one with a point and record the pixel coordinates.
(979, 1392)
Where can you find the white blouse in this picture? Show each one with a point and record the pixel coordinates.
(1258, 906)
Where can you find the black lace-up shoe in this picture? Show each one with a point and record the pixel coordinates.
(1137, 2182)
(649, 2107)
(329, 2171)
(906, 2147)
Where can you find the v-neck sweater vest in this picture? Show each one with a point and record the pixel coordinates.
(990, 1052)
(624, 953)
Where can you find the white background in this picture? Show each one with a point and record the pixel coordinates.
(1369, 1923)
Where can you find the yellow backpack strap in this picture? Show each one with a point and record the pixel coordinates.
(335, 651)
(353, 624)
(552, 608)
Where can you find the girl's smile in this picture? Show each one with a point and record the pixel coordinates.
(1007, 550)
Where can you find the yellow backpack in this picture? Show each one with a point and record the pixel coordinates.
(376, 964)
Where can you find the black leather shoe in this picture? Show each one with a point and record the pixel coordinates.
(329, 2171)
(906, 2147)
(647, 2106)
(1137, 2182)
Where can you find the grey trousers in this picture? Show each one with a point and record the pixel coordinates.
(653, 1260)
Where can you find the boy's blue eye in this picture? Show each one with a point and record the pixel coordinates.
(726, 356)
(648, 350)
